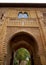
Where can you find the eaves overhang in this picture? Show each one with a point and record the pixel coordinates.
(27, 5)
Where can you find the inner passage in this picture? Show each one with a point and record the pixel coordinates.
(22, 57)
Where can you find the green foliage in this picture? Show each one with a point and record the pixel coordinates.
(15, 62)
(22, 54)
(28, 63)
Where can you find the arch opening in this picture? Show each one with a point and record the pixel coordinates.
(22, 57)
(24, 40)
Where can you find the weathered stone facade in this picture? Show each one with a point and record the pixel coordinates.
(16, 33)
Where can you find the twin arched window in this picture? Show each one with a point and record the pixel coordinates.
(22, 15)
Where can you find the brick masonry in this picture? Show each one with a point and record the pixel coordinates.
(35, 25)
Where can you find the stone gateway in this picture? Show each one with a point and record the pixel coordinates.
(23, 27)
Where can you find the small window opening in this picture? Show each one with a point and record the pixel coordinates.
(22, 15)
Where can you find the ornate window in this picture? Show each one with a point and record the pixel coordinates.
(22, 15)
